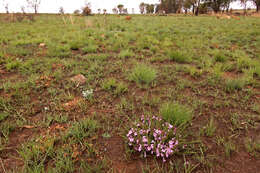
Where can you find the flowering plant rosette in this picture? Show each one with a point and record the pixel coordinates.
(152, 135)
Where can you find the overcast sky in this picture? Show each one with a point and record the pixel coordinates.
(52, 6)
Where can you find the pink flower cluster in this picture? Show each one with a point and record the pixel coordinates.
(153, 136)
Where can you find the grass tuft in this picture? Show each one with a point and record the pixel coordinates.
(11, 66)
(257, 70)
(220, 57)
(82, 129)
(178, 57)
(143, 74)
(235, 84)
(117, 88)
(175, 113)
(75, 45)
(126, 54)
(90, 49)
(210, 128)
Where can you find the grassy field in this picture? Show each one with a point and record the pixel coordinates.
(201, 74)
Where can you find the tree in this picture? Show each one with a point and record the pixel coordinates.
(23, 9)
(142, 7)
(149, 8)
(120, 8)
(133, 11)
(244, 3)
(152, 6)
(34, 4)
(187, 4)
(125, 11)
(76, 12)
(157, 8)
(61, 10)
(194, 5)
(170, 6)
(86, 11)
(6, 6)
(99, 11)
(257, 4)
(226, 5)
(104, 11)
(115, 11)
(217, 5)
(203, 8)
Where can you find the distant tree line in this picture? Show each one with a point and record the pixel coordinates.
(195, 6)
(147, 8)
(164, 6)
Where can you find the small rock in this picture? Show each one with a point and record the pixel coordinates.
(79, 79)
(42, 45)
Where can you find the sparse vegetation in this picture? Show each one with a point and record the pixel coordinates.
(199, 74)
